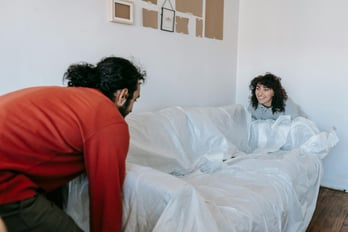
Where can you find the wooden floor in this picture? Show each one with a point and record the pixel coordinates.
(331, 213)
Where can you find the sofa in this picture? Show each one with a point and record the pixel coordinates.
(212, 168)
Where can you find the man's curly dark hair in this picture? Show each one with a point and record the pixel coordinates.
(108, 76)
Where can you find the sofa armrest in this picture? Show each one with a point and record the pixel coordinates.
(152, 199)
(147, 192)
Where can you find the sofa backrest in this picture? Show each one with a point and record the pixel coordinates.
(174, 138)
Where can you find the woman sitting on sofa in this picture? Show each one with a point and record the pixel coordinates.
(269, 99)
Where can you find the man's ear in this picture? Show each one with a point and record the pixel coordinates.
(121, 96)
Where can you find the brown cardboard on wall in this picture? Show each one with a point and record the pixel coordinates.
(214, 19)
(150, 18)
(152, 1)
(199, 27)
(182, 25)
(190, 6)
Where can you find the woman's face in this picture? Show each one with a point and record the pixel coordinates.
(264, 95)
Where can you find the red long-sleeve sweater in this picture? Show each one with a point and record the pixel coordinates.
(49, 135)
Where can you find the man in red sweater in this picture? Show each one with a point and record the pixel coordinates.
(49, 135)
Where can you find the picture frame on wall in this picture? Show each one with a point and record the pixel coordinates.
(167, 19)
(122, 11)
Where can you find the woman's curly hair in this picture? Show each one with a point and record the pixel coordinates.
(273, 82)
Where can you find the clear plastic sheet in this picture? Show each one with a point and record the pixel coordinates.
(213, 169)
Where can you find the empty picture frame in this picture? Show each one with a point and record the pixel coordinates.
(167, 19)
(122, 11)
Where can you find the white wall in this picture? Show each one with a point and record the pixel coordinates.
(39, 39)
(304, 42)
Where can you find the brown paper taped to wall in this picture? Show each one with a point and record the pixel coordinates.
(214, 18)
(199, 27)
(150, 18)
(152, 1)
(181, 25)
(190, 6)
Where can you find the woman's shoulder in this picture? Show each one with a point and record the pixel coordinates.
(293, 108)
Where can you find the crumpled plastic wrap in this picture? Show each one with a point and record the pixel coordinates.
(214, 169)
(78, 201)
(286, 134)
